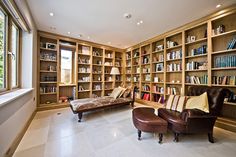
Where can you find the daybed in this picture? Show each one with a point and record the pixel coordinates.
(79, 106)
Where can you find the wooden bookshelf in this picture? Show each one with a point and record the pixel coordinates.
(89, 69)
(199, 46)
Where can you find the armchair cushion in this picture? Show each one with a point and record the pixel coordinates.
(198, 102)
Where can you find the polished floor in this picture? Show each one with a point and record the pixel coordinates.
(110, 133)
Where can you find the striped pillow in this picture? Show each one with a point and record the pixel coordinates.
(176, 103)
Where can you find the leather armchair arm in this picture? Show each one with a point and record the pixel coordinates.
(194, 113)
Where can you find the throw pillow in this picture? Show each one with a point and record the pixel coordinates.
(116, 92)
(176, 103)
(198, 102)
(122, 92)
(127, 93)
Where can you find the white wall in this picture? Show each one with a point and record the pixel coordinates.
(20, 110)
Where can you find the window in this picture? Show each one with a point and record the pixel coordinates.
(66, 66)
(14, 55)
(2, 50)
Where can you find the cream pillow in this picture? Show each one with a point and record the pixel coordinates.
(116, 92)
(122, 92)
(198, 102)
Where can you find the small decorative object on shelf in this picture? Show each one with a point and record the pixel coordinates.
(191, 39)
(220, 29)
(171, 44)
(159, 47)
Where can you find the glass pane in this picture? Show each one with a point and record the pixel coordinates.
(2, 49)
(66, 66)
(14, 46)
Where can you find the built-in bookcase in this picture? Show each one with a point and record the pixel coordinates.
(196, 56)
(48, 67)
(223, 55)
(200, 53)
(89, 70)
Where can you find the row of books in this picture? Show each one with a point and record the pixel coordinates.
(174, 67)
(197, 79)
(147, 77)
(146, 87)
(84, 60)
(159, 67)
(224, 80)
(84, 70)
(198, 51)
(232, 44)
(173, 91)
(174, 55)
(145, 96)
(158, 98)
(225, 61)
(194, 65)
(157, 89)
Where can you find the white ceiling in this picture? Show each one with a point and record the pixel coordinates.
(103, 21)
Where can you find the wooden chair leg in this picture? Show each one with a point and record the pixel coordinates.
(176, 138)
(160, 137)
(80, 116)
(139, 134)
(210, 137)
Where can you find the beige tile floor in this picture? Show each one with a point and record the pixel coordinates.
(110, 133)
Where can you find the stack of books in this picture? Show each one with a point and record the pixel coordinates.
(224, 80)
(146, 88)
(201, 50)
(158, 98)
(225, 61)
(173, 90)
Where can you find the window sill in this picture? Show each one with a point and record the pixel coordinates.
(11, 96)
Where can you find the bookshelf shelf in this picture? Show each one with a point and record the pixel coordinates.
(173, 71)
(158, 51)
(219, 85)
(46, 71)
(52, 93)
(171, 83)
(224, 68)
(48, 82)
(83, 91)
(44, 60)
(224, 51)
(230, 103)
(191, 84)
(196, 56)
(157, 82)
(174, 47)
(171, 60)
(196, 70)
(83, 81)
(83, 63)
(197, 41)
(225, 33)
(158, 72)
(157, 93)
(45, 49)
(67, 85)
(82, 54)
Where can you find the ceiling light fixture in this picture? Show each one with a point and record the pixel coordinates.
(219, 5)
(68, 32)
(127, 15)
(138, 23)
(51, 14)
(141, 21)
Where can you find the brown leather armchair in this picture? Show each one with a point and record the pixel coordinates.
(194, 120)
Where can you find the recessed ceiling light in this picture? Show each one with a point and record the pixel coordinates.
(141, 21)
(68, 32)
(138, 23)
(51, 14)
(80, 35)
(219, 5)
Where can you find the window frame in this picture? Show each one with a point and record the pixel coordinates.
(12, 23)
(6, 86)
(9, 21)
